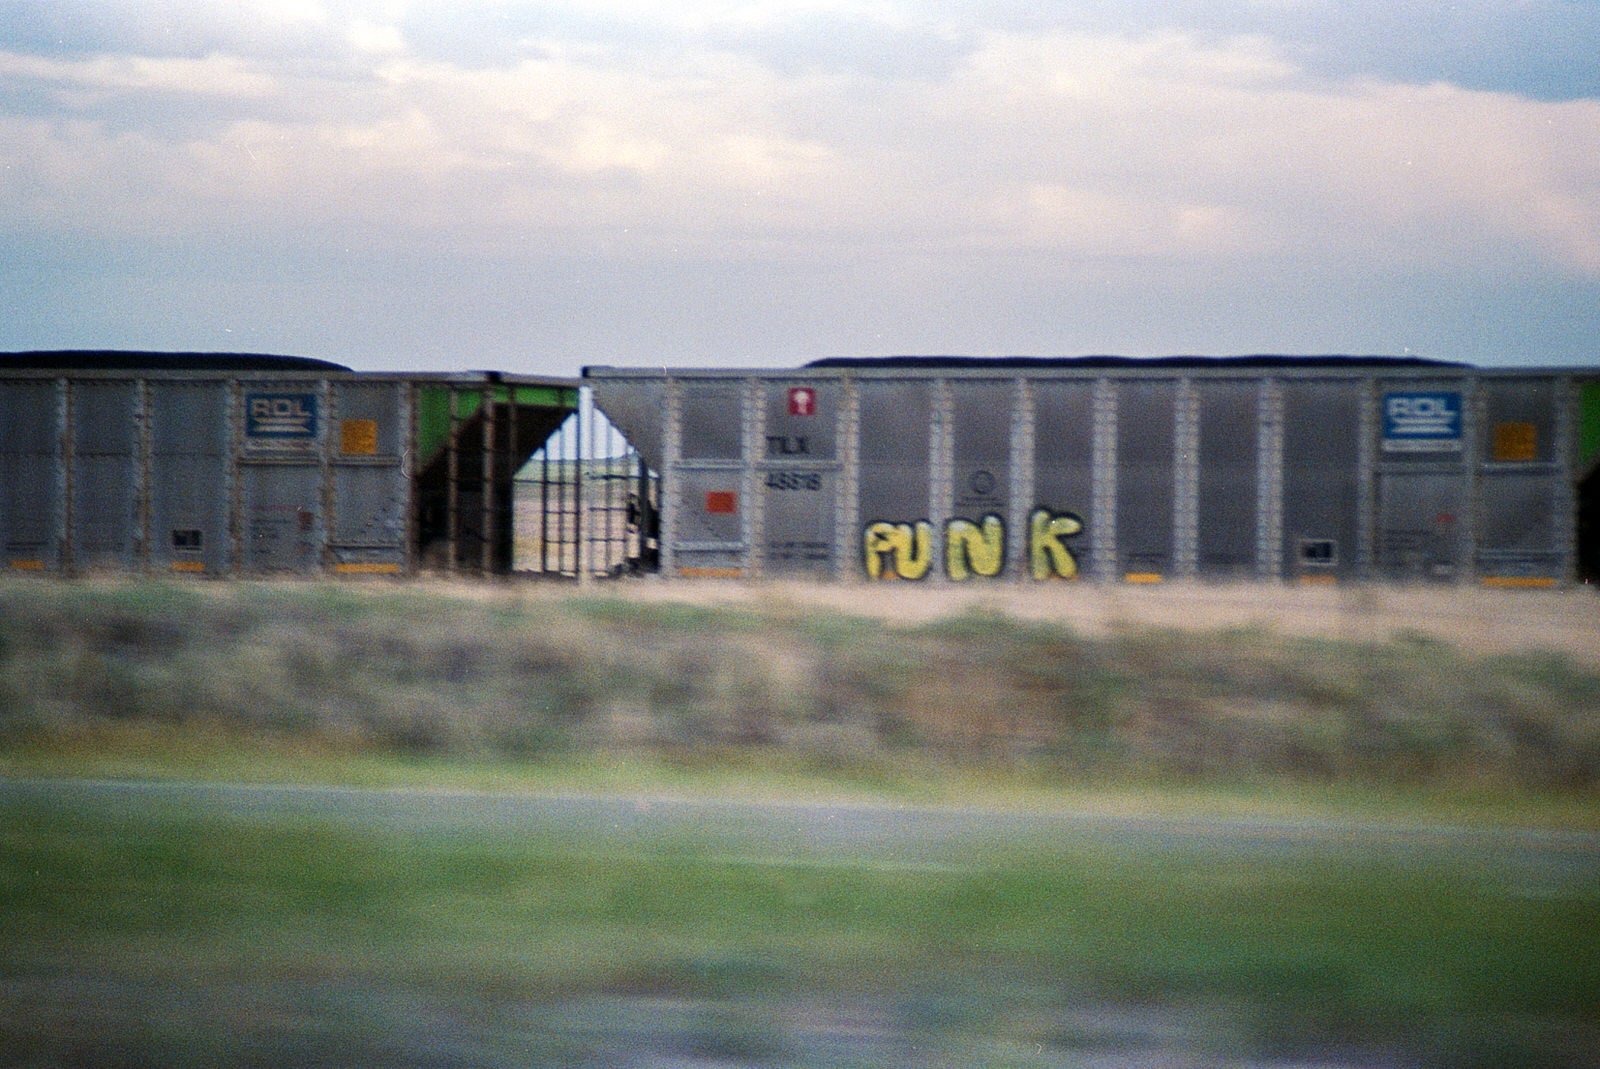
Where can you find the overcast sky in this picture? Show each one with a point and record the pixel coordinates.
(538, 186)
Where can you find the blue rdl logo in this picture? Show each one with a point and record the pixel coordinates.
(281, 415)
(1414, 418)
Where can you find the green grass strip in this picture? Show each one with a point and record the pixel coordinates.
(187, 937)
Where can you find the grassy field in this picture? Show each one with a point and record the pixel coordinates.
(164, 934)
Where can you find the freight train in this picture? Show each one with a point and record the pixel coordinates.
(920, 469)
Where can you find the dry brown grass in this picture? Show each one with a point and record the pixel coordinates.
(1474, 619)
(1369, 685)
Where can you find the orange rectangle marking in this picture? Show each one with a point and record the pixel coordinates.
(367, 568)
(28, 565)
(1525, 582)
(1319, 580)
(358, 437)
(1142, 577)
(722, 501)
(188, 566)
(1515, 442)
(694, 572)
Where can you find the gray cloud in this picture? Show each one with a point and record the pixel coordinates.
(169, 28)
(1543, 49)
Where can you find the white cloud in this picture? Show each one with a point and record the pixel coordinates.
(1107, 146)
(214, 75)
(1157, 146)
(375, 38)
(286, 11)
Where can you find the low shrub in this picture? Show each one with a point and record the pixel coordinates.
(521, 673)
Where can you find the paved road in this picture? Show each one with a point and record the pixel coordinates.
(877, 834)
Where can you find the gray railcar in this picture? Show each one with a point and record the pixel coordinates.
(227, 465)
(1263, 468)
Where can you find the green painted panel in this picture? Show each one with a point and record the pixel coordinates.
(548, 397)
(433, 417)
(1589, 424)
(433, 409)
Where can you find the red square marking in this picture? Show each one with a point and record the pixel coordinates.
(802, 401)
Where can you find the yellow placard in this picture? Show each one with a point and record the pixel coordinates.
(1523, 582)
(358, 437)
(1515, 442)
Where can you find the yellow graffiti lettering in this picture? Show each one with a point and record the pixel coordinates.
(908, 547)
(974, 550)
(1048, 555)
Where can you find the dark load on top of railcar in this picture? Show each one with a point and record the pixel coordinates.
(138, 360)
(1259, 360)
